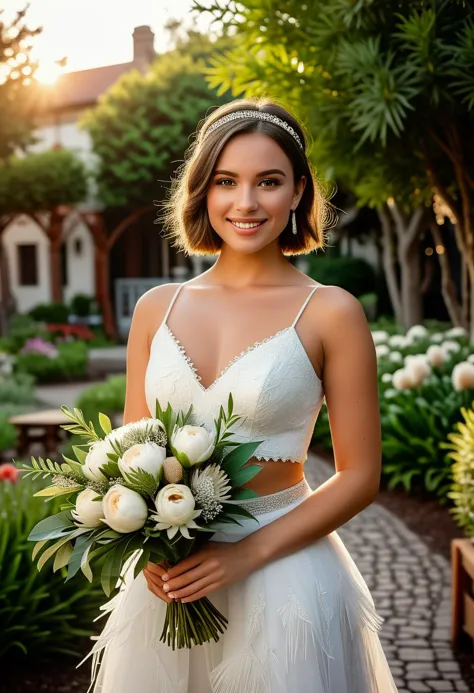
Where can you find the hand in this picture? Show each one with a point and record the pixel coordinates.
(216, 565)
(153, 573)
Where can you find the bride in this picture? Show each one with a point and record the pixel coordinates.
(301, 617)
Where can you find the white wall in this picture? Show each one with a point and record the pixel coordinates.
(80, 267)
(24, 230)
(367, 250)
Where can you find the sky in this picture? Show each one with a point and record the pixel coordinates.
(93, 33)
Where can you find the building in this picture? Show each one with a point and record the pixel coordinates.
(26, 246)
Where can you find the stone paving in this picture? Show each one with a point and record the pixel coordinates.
(411, 588)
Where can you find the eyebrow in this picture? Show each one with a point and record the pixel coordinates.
(259, 175)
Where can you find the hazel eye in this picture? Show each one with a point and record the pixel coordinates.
(224, 180)
(273, 182)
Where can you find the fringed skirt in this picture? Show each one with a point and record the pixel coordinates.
(305, 623)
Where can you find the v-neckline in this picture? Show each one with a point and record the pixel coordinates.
(197, 378)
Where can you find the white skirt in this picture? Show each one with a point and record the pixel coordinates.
(305, 623)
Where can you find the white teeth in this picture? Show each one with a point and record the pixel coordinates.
(241, 225)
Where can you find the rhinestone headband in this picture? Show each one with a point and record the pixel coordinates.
(259, 115)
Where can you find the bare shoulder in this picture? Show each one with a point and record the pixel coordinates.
(339, 317)
(155, 301)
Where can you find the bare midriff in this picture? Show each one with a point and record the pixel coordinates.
(274, 476)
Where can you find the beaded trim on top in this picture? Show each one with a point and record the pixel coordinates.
(259, 115)
(275, 501)
(191, 365)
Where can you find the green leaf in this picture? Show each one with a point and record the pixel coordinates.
(245, 474)
(236, 458)
(62, 556)
(105, 423)
(52, 527)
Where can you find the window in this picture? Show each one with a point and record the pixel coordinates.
(28, 264)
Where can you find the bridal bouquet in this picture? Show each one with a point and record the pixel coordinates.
(153, 490)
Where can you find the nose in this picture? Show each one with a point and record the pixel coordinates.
(246, 199)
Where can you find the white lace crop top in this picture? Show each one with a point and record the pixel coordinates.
(274, 387)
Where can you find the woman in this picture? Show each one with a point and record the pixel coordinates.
(301, 618)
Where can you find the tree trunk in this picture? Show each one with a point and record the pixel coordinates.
(448, 288)
(7, 302)
(102, 283)
(409, 256)
(55, 242)
(389, 260)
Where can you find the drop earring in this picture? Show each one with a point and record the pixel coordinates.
(293, 223)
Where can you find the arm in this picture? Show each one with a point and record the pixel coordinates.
(351, 389)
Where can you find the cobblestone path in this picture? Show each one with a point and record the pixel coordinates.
(411, 588)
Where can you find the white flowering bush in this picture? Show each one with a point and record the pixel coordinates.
(424, 381)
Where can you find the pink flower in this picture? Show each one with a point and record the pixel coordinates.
(8, 472)
(36, 345)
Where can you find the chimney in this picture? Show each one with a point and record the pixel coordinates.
(143, 47)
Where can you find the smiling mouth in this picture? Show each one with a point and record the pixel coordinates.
(247, 224)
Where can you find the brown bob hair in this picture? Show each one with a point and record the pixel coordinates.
(185, 216)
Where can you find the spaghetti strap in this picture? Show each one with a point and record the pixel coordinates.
(175, 295)
(304, 305)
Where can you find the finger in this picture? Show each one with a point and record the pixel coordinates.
(202, 593)
(158, 568)
(184, 565)
(185, 579)
(158, 592)
(194, 587)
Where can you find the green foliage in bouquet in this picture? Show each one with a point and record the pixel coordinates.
(461, 448)
(414, 426)
(128, 501)
(41, 615)
(107, 397)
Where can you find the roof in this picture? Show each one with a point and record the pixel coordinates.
(82, 88)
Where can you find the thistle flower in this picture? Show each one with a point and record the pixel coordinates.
(210, 486)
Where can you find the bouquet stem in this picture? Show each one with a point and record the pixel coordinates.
(197, 621)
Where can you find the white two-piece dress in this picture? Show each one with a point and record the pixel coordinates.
(305, 623)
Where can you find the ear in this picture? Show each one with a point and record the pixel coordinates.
(299, 189)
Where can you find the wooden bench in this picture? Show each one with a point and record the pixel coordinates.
(462, 563)
(39, 427)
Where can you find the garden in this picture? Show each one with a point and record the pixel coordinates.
(363, 83)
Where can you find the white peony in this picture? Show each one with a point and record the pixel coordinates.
(380, 336)
(417, 332)
(463, 376)
(437, 337)
(395, 357)
(125, 510)
(418, 366)
(398, 341)
(382, 350)
(436, 355)
(88, 511)
(451, 345)
(404, 380)
(96, 459)
(191, 445)
(148, 457)
(456, 332)
(175, 510)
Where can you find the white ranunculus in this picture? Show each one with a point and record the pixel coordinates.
(395, 357)
(382, 350)
(456, 332)
(451, 345)
(176, 512)
(404, 380)
(463, 376)
(380, 336)
(146, 456)
(96, 459)
(88, 511)
(191, 445)
(436, 355)
(397, 341)
(417, 332)
(124, 510)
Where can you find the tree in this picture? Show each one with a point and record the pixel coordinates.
(139, 130)
(18, 91)
(43, 186)
(387, 90)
